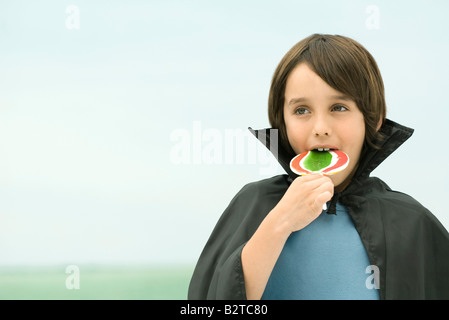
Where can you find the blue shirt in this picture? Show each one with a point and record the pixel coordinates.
(324, 260)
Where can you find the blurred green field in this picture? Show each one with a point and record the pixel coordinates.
(95, 283)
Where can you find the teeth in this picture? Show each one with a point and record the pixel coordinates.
(323, 149)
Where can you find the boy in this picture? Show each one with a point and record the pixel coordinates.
(275, 242)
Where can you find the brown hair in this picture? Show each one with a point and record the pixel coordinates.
(343, 64)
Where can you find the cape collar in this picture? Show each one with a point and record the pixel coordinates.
(394, 136)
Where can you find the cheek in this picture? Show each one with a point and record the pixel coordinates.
(296, 138)
(361, 134)
(356, 136)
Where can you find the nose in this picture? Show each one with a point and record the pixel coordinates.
(321, 126)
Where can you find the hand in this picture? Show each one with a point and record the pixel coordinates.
(303, 201)
(301, 204)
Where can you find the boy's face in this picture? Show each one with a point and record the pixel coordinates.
(318, 116)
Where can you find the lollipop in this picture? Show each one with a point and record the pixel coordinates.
(322, 162)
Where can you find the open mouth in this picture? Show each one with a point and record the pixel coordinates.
(324, 149)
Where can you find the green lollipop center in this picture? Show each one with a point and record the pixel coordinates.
(317, 160)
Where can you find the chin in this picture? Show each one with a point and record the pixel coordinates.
(342, 179)
(337, 179)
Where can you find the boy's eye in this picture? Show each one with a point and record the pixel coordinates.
(301, 111)
(339, 107)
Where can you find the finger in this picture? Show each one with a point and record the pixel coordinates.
(323, 187)
(321, 199)
(311, 178)
(323, 193)
(318, 182)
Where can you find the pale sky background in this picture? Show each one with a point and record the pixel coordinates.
(95, 103)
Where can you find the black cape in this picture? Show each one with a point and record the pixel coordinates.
(402, 238)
